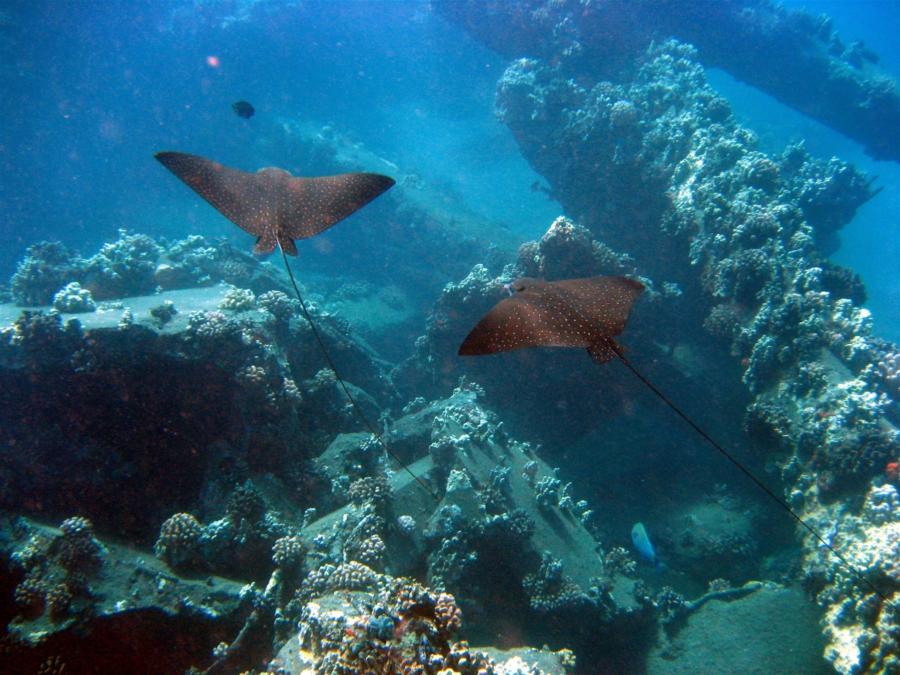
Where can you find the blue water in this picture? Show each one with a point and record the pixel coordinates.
(92, 89)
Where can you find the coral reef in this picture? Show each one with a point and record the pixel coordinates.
(179, 540)
(493, 517)
(889, 370)
(132, 265)
(249, 536)
(47, 267)
(232, 516)
(673, 181)
(860, 627)
(58, 571)
(238, 300)
(400, 627)
(123, 267)
(397, 625)
(73, 299)
(233, 390)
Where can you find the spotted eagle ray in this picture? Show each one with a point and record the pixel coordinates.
(273, 205)
(277, 208)
(589, 313)
(572, 313)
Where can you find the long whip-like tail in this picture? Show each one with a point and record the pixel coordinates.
(743, 469)
(343, 384)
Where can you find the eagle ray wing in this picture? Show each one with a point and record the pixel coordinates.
(309, 206)
(244, 198)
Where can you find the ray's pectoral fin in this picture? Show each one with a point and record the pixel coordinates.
(312, 205)
(239, 196)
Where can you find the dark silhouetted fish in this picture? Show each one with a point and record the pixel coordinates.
(589, 313)
(273, 205)
(243, 109)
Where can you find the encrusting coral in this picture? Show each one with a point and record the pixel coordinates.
(133, 265)
(58, 571)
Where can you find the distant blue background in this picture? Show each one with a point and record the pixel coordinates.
(92, 89)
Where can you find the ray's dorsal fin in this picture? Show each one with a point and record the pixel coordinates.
(273, 205)
(589, 313)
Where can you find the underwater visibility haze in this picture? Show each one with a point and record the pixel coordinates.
(241, 425)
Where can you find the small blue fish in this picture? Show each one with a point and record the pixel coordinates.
(643, 545)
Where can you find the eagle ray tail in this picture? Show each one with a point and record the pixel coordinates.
(809, 528)
(341, 382)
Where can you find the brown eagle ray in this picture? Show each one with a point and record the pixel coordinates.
(589, 313)
(584, 313)
(273, 205)
(277, 208)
